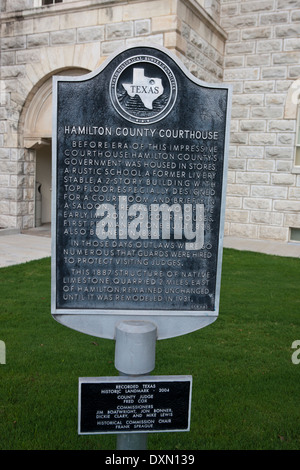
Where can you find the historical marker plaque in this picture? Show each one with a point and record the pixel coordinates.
(124, 405)
(139, 180)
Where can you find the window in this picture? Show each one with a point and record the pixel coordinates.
(50, 2)
(297, 156)
(295, 234)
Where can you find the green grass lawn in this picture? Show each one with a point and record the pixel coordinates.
(245, 387)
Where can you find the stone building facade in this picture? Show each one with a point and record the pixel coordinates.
(262, 61)
(254, 45)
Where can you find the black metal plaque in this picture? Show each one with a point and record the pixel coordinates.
(118, 405)
(139, 188)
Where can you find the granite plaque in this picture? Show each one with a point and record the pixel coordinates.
(139, 180)
(147, 404)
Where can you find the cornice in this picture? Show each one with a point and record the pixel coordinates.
(58, 8)
(85, 5)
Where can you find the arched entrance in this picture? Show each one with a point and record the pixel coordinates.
(37, 140)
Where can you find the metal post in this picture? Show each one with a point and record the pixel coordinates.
(134, 356)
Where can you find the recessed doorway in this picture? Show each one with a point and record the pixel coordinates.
(37, 139)
(43, 186)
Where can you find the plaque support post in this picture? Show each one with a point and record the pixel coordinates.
(134, 356)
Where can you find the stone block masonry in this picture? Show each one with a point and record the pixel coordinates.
(38, 42)
(254, 45)
(261, 59)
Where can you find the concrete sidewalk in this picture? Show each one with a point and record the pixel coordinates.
(268, 247)
(16, 248)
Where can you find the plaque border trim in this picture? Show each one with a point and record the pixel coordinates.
(167, 321)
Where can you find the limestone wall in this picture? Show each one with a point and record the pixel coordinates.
(262, 58)
(37, 42)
